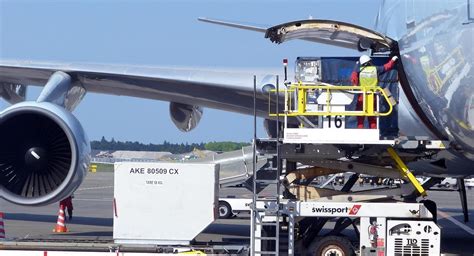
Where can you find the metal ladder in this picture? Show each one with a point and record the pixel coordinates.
(265, 210)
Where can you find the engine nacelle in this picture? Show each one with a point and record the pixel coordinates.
(185, 117)
(44, 153)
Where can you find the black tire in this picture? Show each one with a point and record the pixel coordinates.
(447, 185)
(331, 245)
(224, 209)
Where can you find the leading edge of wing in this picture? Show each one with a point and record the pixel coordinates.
(230, 90)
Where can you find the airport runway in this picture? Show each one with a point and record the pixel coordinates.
(93, 220)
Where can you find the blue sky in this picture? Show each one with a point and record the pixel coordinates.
(162, 33)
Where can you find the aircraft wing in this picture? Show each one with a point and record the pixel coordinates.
(230, 91)
(219, 89)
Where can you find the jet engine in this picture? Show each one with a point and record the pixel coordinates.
(185, 117)
(44, 153)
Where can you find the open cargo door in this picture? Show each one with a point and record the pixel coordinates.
(333, 33)
(330, 32)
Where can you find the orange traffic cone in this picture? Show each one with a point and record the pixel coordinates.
(61, 223)
(2, 227)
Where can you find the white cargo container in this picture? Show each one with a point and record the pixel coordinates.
(163, 203)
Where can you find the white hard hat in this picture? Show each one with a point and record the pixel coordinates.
(364, 59)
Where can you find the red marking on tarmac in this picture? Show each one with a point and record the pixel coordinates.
(355, 209)
(45, 253)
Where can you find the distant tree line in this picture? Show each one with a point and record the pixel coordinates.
(175, 148)
(225, 146)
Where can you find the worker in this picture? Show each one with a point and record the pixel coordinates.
(67, 203)
(366, 74)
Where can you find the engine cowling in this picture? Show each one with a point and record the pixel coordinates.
(185, 117)
(44, 153)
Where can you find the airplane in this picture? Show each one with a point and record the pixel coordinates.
(45, 152)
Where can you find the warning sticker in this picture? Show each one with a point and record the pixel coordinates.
(355, 209)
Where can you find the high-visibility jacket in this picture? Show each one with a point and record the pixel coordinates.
(368, 76)
(379, 70)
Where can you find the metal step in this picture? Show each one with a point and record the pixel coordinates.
(265, 210)
(271, 224)
(267, 252)
(265, 199)
(267, 168)
(267, 182)
(266, 238)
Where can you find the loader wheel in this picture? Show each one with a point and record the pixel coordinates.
(225, 211)
(331, 246)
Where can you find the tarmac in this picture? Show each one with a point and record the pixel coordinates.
(92, 219)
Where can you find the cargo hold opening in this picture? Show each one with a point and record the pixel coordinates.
(353, 37)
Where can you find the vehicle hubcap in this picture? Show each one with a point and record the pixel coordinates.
(333, 252)
(223, 210)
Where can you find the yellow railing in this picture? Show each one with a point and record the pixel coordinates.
(300, 92)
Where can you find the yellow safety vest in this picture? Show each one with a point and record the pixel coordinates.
(368, 76)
